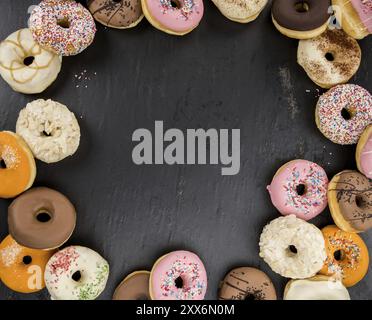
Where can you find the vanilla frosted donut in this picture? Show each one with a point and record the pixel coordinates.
(242, 11)
(50, 129)
(76, 273)
(316, 288)
(330, 59)
(292, 247)
(25, 66)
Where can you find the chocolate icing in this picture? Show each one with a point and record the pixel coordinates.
(117, 14)
(354, 197)
(285, 14)
(247, 284)
(134, 287)
(28, 231)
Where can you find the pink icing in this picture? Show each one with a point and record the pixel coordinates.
(364, 10)
(182, 19)
(283, 189)
(186, 265)
(366, 158)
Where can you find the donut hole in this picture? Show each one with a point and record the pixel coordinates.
(360, 202)
(2, 164)
(292, 250)
(118, 1)
(339, 255)
(178, 282)
(63, 23)
(26, 260)
(175, 4)
(76, 276)
(329, 56)
(250, 297)
(346, 114)
(43, 217)
(301, 189)
(46, 134)
(28, 61)
(302, 6)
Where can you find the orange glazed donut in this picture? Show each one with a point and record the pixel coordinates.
(347, 256)
(21, 268)
(17, 165)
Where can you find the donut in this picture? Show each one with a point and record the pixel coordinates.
(316, 288)
(41, 218)
(50, 129)
(364, 152)
(76, 273)
(343, 113)
(25, 66)
(330, 59)
(134, 287)
(356, 17)
(242, 11)
(175, 17)
(179, 275)
(292, 247)
(247, 283)
(17, 165)
(350, 201)
(21, 268)
(347, 256)
(299, 187)
(118, 14)
(301, 19)
(64, 26)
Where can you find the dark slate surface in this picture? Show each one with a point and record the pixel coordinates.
(222, 75)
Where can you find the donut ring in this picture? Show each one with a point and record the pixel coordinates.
(76, 273)
(179, 275)
(116, 14)
(364, 152)
(41, 218)
(175, 17)
(292, 247)
(17, 165)
(135, 286)
(21, 268)
(247, 284)
(316, 288)
(50, 129)
(64, 26)
(25, 66)
(347, 256)
(343, 113)
(299, 187)
(350, 201)
(330, 59)
(301, 19)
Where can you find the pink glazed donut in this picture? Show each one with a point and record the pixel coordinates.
(177, 17)
(63, 26)
(299, 187)
(364, 153)
(179, 275)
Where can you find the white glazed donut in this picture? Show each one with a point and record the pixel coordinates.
(293, 247)
(76, 273)
(50, 129)
(316, 288)
(25, 66)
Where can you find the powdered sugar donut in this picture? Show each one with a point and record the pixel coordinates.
(179, 275)
(176, 17)
(242, 11)
(364, 153)
(293, 247)
(299, 187)
(343, 113)
(76, 273)
(50, 129)
(63, 26)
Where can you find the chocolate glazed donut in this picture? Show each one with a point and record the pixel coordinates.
(303, 15)
(119, 14)
(41, 218)
(134, 287)
(247, 284)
